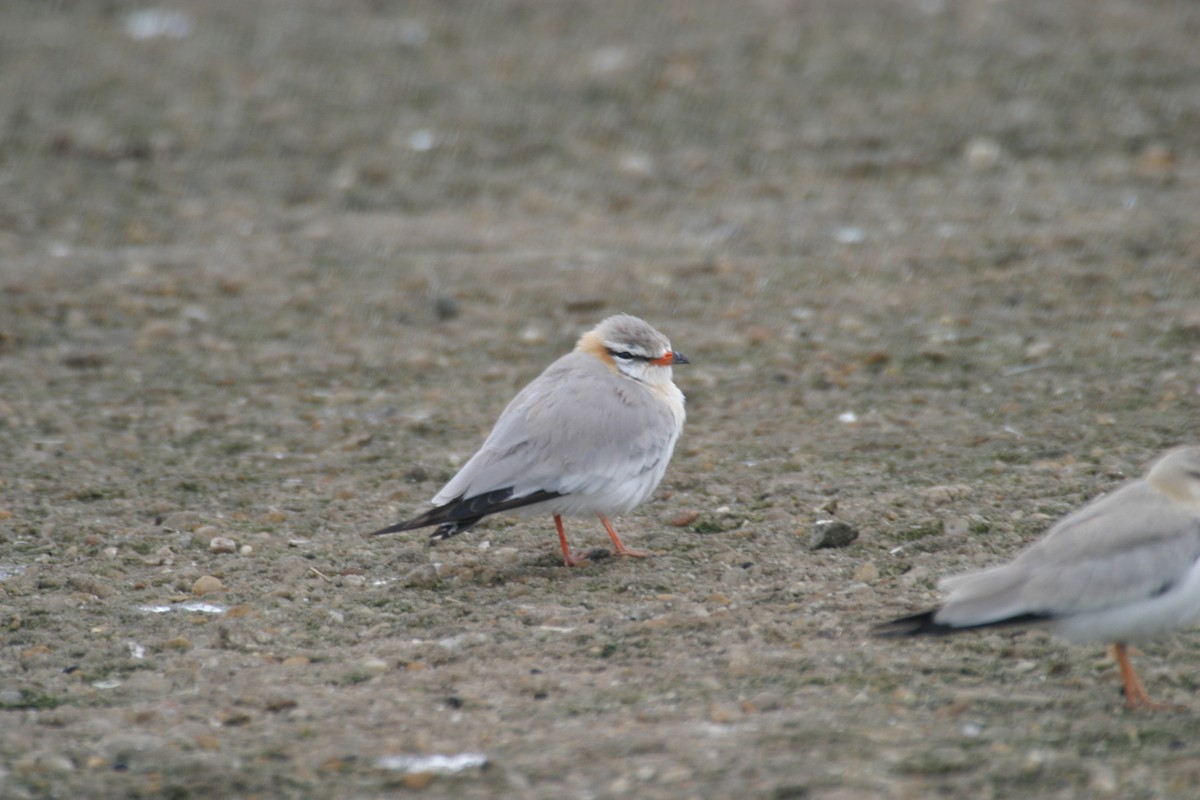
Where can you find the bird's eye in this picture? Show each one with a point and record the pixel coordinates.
(625, 355)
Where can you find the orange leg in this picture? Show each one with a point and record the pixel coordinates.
(619, 548)
(1135, 693)
(568, 559)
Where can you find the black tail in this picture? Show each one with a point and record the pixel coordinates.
(458, 515)
(924, 624)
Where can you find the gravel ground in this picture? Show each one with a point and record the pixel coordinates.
(269, 271)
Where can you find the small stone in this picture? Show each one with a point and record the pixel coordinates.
(207, 585)
(30, 653)
(373, 665)
(422, 577)
(246, 550)
(937, 761)
(221, 544)
(956, 526)
(943, 494)
(505, 555)
(183, 521)
(684, 518)
(1156, 161)
(206, 741)
(1038, 350)
(867, 573)
(831, 533)
(417, 780)
(93, 586)
(533, 335)
(635, 164)
(56, 762)
(445, 307)
(724, 713)
(982, 153)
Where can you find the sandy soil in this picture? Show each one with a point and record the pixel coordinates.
(270, 275)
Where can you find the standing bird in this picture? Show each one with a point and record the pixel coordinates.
(591, 435)
(1124, 568)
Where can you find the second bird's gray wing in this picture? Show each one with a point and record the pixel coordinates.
(576, 429)
(1129, 546)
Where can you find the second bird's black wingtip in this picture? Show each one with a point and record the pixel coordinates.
(402, 526)
(926, 624)
(922, 624)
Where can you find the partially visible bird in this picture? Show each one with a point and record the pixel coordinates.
(592, 434)
(1124, 568)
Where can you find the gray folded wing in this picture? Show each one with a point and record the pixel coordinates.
(1131, 545)
(576, 429)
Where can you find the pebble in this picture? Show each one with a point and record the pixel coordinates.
(831, 533)
(1037, 351)
(982, 153)
(943, 494)
(506, 555)
(684, 518)
(93, 586)
(533, 335)
(725, 713)
(30, 653)
(374, 665)
(207, 585)
(422, 577)
(417, 780)
(221, 544)
(445, 307)
(1156, 161)
(56, 762)
(956, 526)
(206, 741)
(183, 521)
(867, 573)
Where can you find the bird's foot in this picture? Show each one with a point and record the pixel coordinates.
(580, 558)
(1140, 701)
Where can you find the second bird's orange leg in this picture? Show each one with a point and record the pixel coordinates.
(1135, 693)
(619, 548)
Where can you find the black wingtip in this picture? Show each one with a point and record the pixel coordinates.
(922, 624)
(400, 526)
(925, 624)
(430, 517)
(460, 514)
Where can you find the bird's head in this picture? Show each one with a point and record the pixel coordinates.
(631, 347)
(1178, 474)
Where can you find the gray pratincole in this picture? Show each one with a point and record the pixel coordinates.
(592, 434)
(1125, 568)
